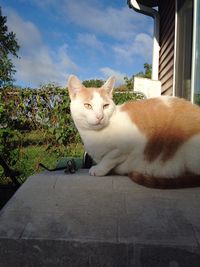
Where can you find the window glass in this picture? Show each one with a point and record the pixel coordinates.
(197, 56)
(184, 48)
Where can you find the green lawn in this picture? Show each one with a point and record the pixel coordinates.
(31, 156)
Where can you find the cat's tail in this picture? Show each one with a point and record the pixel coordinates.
(184, 181)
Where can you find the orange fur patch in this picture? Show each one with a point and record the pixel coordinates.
(167, 126)
(185, 181)
(103, 94)
(87, 93)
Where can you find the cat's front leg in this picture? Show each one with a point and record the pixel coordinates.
(107, 163)
(96, 171)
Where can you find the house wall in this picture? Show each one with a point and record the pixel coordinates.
(167, 33)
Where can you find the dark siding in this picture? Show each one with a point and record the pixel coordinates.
(166, 57)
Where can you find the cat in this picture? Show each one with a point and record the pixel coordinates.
(155, 141)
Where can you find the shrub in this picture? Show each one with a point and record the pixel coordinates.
(38, 117)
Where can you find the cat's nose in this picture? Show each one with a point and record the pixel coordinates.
(99, 117)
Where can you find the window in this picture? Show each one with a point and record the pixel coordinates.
(196, 53)
(184, 37)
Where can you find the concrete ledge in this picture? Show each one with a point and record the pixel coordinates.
(56, 219)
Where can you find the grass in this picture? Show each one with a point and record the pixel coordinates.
(34, 137)
(31, 156)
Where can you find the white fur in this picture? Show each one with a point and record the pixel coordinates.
(86, 118)
(191, 152)
(113, 145)
(117, 144)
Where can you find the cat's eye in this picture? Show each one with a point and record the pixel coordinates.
(105, 106)
(88, 106)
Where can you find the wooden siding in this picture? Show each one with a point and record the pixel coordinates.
(166, 57)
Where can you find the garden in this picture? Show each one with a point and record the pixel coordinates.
(36, 127)
(35, 124)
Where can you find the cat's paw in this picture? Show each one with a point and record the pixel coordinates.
(96, 171)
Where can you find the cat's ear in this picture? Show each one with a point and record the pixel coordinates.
(74, 86)
(109, 85)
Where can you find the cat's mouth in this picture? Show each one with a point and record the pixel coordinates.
(98, 125)
(98, 122)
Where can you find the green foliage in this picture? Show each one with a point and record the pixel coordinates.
(44, 114)
(36, 126)
(46, 109)
(8, 46)
(93, 83)
(147, 73)
(148, 70)
(7, 148)
(129, 82)
(31, 156)
(6, 71)
(197, 99)
(121, 97)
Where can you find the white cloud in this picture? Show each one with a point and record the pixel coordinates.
(102, 28)
(142, 45)
(129, 30)
(38, 63)
(39, 3)
(91, 41)
(118, 75)
(40, 67)
(63, 58)
(98, 16)
(118, 23)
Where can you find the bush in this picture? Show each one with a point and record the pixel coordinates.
(121, 97)
(39, 118)
(46, 110)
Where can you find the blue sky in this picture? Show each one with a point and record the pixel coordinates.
(89, 38)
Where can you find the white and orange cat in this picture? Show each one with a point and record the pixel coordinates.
(155, 141)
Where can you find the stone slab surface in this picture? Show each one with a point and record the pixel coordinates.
(56, 219)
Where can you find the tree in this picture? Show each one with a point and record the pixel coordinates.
(93, 83)
(147, 73)
(8, 47)
(129, 82)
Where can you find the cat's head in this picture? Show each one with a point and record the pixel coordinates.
(91, 108)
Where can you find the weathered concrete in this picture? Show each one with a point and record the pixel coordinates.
(56, 219)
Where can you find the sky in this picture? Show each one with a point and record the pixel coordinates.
(91, 39)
